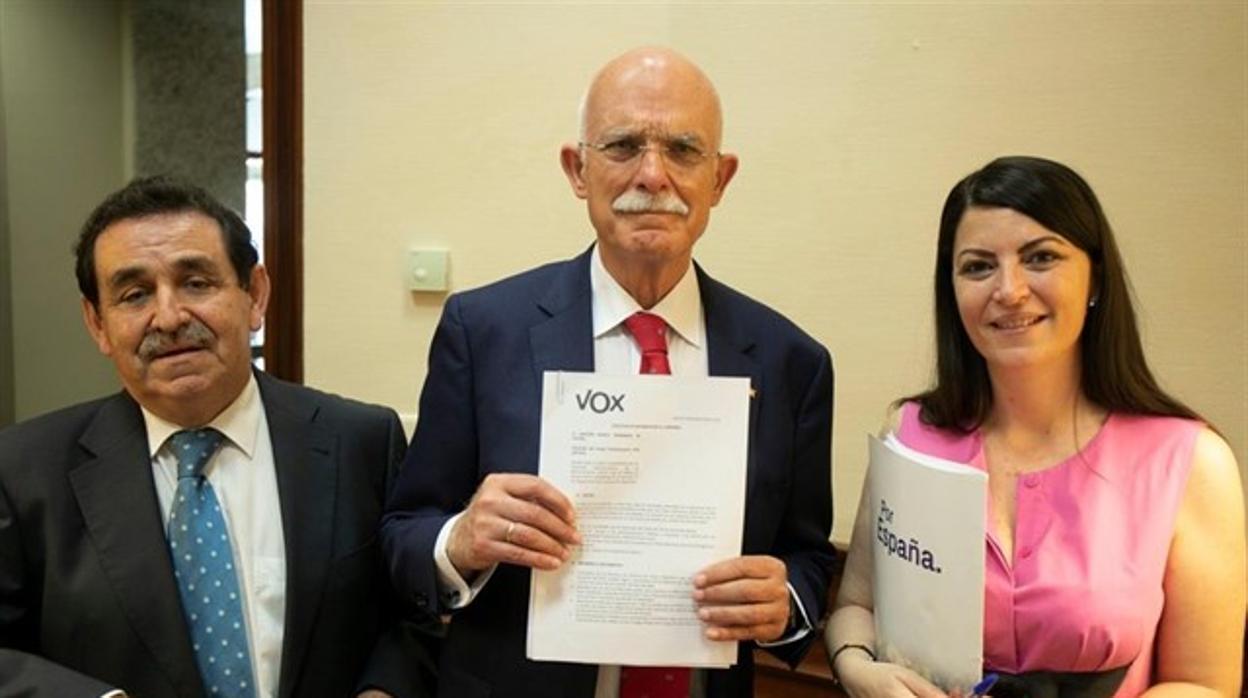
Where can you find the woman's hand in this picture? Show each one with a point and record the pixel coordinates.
(863, 678)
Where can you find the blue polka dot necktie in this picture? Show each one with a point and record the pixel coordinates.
(203, 564)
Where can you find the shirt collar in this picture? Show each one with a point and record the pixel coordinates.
(681, 308)
(239, 422)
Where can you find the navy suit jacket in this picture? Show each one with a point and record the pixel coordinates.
(87, 597)
(479, 414)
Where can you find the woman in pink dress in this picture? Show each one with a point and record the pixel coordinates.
(1115, 551)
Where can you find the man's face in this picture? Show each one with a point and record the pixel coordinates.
(172, 314)
(650, 208)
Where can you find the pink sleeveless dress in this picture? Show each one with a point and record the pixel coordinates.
(1092, 533)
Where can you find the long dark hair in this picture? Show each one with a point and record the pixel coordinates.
(1115, 374)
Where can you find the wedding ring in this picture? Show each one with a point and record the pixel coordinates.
(511, 527)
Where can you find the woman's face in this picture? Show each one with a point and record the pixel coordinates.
(1022, 289)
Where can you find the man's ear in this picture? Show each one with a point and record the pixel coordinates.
(95, 327)
(574, 169)
(258, 289)
(725, 170)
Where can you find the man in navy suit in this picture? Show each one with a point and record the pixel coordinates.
(92, 601)
(469, 515)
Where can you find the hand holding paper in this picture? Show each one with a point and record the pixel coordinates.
(743, 598)
(656, 466)
(515, 518)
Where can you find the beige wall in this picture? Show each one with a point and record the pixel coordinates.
(72, 118)
(438, 125)
(6, 387)
(62, 71)
(6, 284)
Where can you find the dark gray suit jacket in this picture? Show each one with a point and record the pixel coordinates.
(480, 414)
(87, 597)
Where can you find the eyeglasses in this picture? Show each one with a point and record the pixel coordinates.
(678, 152)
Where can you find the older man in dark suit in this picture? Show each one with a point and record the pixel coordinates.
(470, 516)
(209, 531)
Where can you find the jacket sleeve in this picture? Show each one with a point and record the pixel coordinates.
(404, 659)
(23, 673)
(803, 539)
(440, 471)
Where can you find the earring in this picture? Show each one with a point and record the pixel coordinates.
(1092, 302)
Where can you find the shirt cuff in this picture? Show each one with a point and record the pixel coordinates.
(115, 693)
(799, 622)
(454, 592)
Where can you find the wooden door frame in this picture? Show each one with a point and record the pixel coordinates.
(282, 76)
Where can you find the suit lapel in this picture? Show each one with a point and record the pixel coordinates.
(729, 349)
(117, 497)
(565, 341)
(307, 484)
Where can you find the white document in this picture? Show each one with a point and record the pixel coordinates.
(656, 468)
(928, 552)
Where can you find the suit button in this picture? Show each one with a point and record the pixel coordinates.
(1031, 481)
(422, 601)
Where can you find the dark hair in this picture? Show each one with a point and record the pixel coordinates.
(149, 196)
(1115, 373)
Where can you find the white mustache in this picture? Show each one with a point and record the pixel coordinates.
(635, 201)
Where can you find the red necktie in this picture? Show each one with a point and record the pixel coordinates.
(650, 333)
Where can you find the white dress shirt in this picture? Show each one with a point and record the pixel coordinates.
(615, 352)
(244, 478)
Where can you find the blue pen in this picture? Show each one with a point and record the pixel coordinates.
(982, 688)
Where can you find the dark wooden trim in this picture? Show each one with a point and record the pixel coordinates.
(813, 676)
(282, 63)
